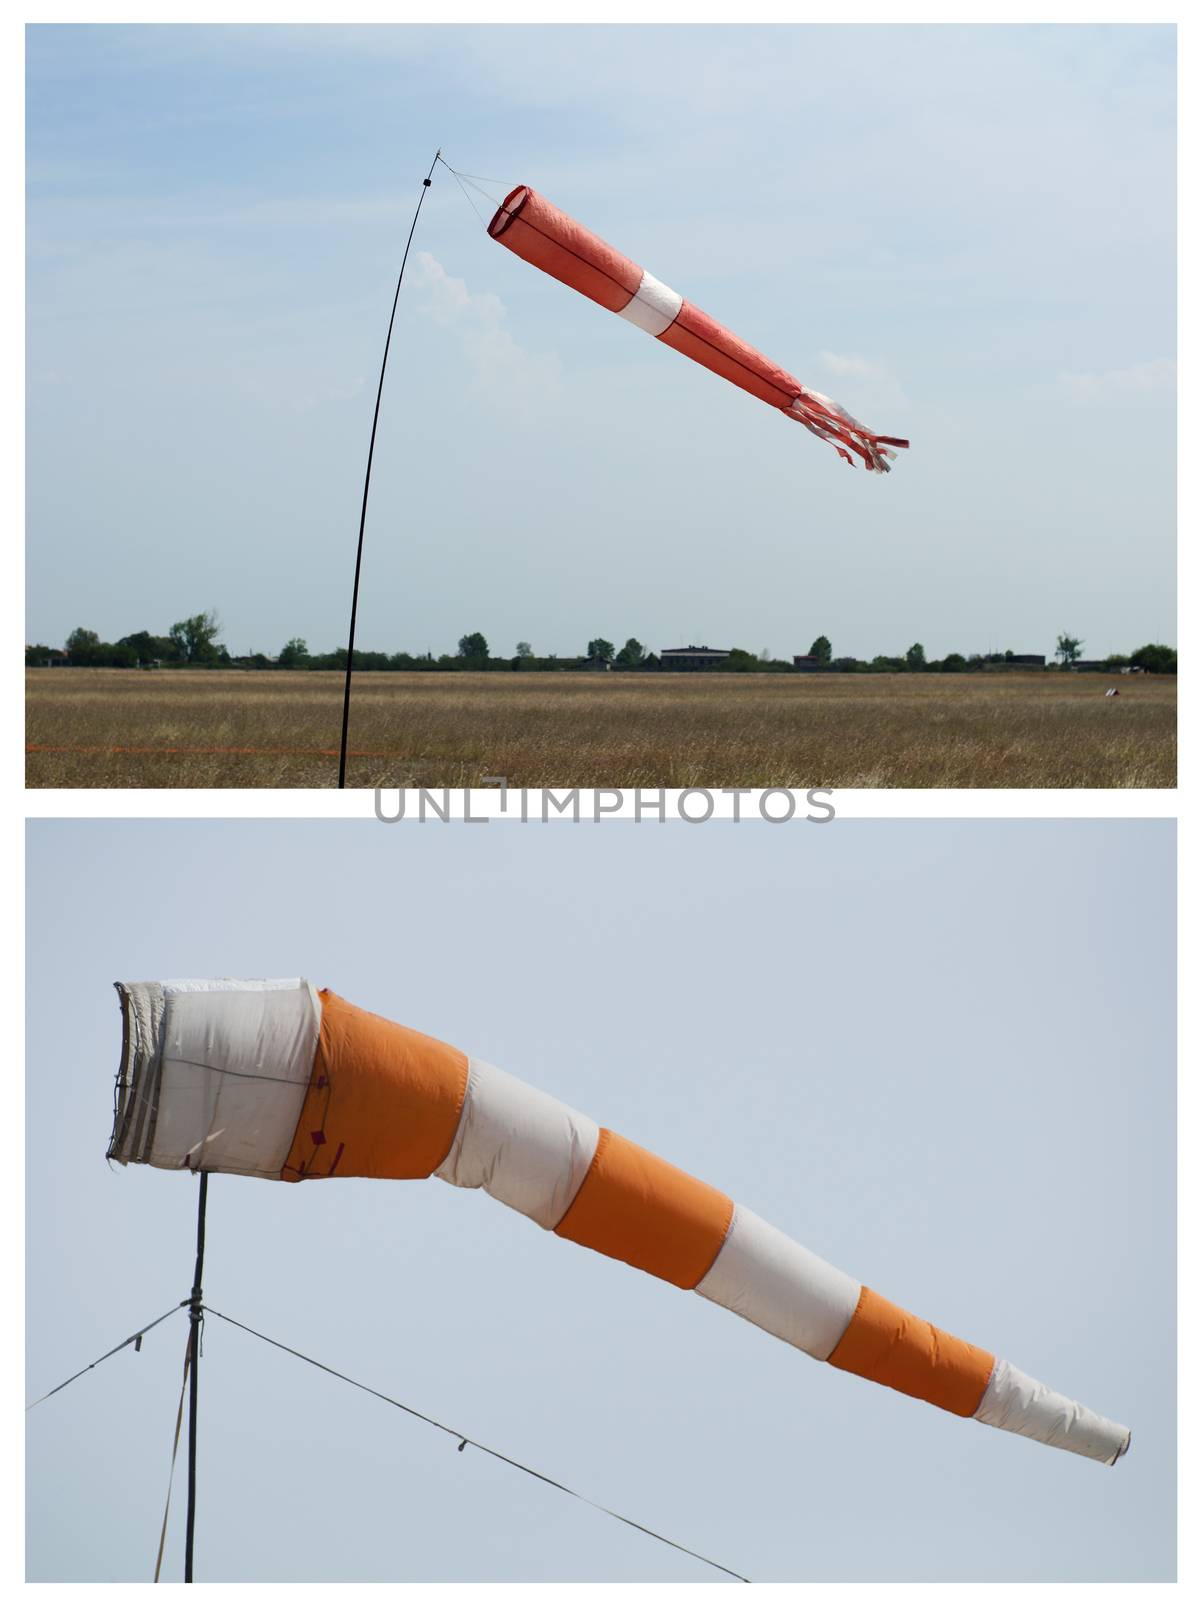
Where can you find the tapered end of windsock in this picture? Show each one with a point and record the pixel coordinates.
(1019, 1404)
(827, 420)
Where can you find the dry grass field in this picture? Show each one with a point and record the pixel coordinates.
(114, 729)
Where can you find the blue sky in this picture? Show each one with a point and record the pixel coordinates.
(966, 235)
(938, 1053)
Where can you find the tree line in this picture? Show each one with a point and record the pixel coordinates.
(196, 642)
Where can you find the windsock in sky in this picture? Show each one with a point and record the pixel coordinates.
(271, 1078)
(540, 233)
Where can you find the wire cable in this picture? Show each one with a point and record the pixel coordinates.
(162, 1538)
(468, 179)
(463, 191)
(478, 176)
(465, 1440)
(490, 198)
(134, 1338)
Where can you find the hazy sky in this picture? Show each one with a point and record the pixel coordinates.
(938, 1053)
(965, 235)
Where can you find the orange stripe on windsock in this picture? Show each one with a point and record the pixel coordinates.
(893, 1347)
(694, 333)
(546, 237)
(531, 227)
(384, 1101)
(638, 1208)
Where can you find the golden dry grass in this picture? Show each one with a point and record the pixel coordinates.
(110, 729)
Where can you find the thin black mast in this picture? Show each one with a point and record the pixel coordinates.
(358, 560)
(195, 1312)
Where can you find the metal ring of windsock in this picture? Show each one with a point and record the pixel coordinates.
(538, 232)
(272, 1078)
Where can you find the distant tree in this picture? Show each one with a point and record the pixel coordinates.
(953, 663)
(87, 649)
(294, 654)
(82, 647)
(38, 655)
(145, 647)
(600, 650)
(741, 661)
(196, 637)
(822, 649)
(473, 647)
(1154, 658)
(915, 658)
(163, 647)
(524, 651)
(631, 654)
(1068, 649)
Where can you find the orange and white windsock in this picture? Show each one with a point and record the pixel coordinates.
(271, 1078)
(533, 228)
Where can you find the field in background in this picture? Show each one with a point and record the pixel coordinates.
(172, 729)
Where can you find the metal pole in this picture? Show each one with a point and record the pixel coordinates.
(196, 1313)
(358, 560)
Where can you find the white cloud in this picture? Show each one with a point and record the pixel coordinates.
(301, 397)
(866, 386)
(1120, 384)
(853, 367)
(501, 368)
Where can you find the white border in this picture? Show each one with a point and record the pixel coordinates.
(485, 805)
(849, 803)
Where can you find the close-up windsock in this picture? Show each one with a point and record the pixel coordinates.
(273, 1078)
(531, 227)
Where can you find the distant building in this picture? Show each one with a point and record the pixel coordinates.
(1090, 666)
(809, 664)
(692, 658)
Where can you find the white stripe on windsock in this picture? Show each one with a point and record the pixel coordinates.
(525, 1148)
(1019, 1404)
(772, 1281)
(654, 307)
(236, 1063)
